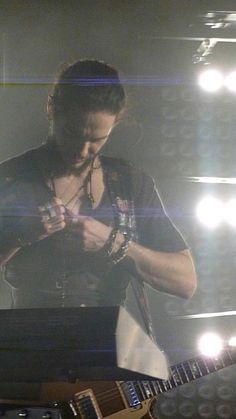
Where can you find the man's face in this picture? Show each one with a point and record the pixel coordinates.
(80, 137)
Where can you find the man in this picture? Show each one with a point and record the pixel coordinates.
(75, 225)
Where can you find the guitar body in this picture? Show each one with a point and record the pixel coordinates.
(107, 398)
(128, 399)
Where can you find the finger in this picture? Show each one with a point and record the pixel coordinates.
(51, 205)
(51, 210)
(52, 228)
(76, 222)
(71, 221)
(58, 207)
(56, 201)
(58, 227)
(82, 220)
(56, 223)
(52, 220)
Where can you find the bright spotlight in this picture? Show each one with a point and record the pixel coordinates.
(230, 81)
(230, 212)
(210, 344)
(232, 341)
(210, 212)
(210, 80)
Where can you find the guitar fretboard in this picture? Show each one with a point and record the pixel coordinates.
(185, 372)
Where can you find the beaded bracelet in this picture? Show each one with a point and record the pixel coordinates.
(121, 253)
(108, 247)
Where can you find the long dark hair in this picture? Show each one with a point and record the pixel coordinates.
(89, 85)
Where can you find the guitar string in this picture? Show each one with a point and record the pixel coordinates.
(107, 399)
(108, 395)
(104, 395)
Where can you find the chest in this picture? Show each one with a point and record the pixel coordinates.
(77, 192)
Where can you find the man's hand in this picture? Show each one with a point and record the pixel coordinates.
(52, 217)
(49, 220)
(93, 234)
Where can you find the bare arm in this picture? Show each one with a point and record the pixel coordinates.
(173, 273)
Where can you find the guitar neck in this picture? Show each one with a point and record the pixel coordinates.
(185, 372)
(130, 399)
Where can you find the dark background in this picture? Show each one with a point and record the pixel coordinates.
(173, 130)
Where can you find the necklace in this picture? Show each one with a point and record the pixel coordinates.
(86, 187)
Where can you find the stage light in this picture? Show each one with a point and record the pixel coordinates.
(230, 81)
(232, 341)
(210, 212)
(210, 344)
(230, 212)
(211, 80)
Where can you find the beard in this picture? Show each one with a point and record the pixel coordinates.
(69, 166)
(73, 170)
(60, 161)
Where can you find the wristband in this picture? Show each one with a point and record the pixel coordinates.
(108, 247)
(118, 256)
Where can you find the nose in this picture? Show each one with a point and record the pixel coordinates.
(85, 150)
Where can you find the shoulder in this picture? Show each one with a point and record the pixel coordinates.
(20, 166)
(125, 166)
(141, 182)
(114, 163)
